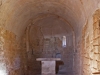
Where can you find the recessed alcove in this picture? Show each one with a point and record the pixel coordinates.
(46, 41)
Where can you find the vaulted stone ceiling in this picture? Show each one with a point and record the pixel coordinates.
(16, 15)
(63, 16)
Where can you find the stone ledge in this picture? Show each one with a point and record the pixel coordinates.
(48, 59)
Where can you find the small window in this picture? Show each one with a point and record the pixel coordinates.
(64, 41)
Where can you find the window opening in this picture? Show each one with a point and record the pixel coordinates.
(64, 41)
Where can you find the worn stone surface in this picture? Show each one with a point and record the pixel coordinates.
(75, 19)
(46, 42)
(90, 45)
(48, 65)
(12, 54)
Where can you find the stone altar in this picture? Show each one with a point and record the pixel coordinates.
(48, 65)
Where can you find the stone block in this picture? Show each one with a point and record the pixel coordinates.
(96, 49)
(48, 65)
(96, 25)
(95, 64)
(96, 42)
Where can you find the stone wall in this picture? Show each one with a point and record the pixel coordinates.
(12, 54)
(90, 46)
(50, 46)
(77, 59)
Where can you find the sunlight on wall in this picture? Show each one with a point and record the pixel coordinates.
(3, 69)
(3, 72)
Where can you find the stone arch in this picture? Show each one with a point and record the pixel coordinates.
(46, 16)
